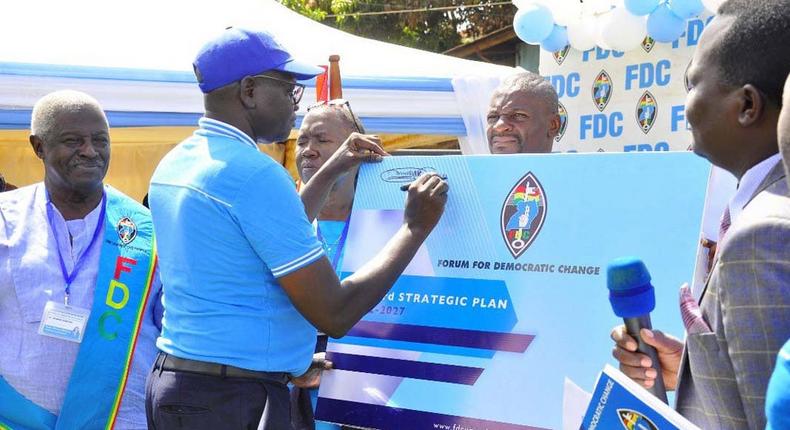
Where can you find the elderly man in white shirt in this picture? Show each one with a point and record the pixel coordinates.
(78, 289)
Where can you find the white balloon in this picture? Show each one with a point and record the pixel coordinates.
(518, 3)
(599, 20)
(565, 11)
(581, 33)
(622, 31)
(521, 3)
(594, 7)
(712, 5)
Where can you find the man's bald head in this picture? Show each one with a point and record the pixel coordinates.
(538, 87)
(523, 115)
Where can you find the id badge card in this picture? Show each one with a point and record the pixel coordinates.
(63, 322)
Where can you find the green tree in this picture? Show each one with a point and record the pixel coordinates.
(437, 26)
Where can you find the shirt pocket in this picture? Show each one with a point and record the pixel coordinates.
(33, 282)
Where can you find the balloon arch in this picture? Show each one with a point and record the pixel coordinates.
(620, 25)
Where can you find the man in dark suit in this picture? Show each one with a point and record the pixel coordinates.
(740, 322)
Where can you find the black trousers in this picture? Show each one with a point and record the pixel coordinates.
(181, 400)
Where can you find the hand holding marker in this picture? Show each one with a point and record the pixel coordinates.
(405, 187)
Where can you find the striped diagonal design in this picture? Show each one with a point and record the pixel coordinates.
(724, 224)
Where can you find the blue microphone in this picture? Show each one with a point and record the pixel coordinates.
(633, 298)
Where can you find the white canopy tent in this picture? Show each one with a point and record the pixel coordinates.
(135, 58)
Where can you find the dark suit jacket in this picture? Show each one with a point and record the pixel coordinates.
(746, 303)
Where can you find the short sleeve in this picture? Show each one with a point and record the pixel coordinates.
(272, 217)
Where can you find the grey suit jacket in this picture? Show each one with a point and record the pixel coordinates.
(746, 303)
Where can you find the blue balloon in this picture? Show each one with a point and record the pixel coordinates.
(664, 26)
(641, 7)
(556, 40)
(533, 23)
(686, 8)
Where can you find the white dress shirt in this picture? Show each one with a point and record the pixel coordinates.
(37, 366)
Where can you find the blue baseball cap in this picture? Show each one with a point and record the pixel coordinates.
(239, 52)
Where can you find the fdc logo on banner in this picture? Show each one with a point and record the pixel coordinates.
(614, 101)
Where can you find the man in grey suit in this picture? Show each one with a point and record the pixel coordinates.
(783, 131)
(777, 399)
(742, 319)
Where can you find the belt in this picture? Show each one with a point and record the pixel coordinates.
(168, 362)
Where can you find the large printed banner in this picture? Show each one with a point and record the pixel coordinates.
(613, 101)
(507, 298)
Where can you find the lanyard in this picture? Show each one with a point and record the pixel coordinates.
(69, 277)
(340, 243)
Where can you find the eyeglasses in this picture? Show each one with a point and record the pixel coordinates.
(339, 103)
(296, 93)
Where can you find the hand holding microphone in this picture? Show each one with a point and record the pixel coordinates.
(651, 358)
(638, 366)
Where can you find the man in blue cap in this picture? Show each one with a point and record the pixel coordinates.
(246, 282)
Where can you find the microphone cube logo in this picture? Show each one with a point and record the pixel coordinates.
(523, 213)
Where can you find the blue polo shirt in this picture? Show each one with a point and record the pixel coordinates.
(228, 223)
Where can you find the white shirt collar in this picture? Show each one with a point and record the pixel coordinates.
(749, 183)
(78, 242)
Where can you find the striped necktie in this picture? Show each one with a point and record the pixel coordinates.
(724, 224)
(711, 246)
